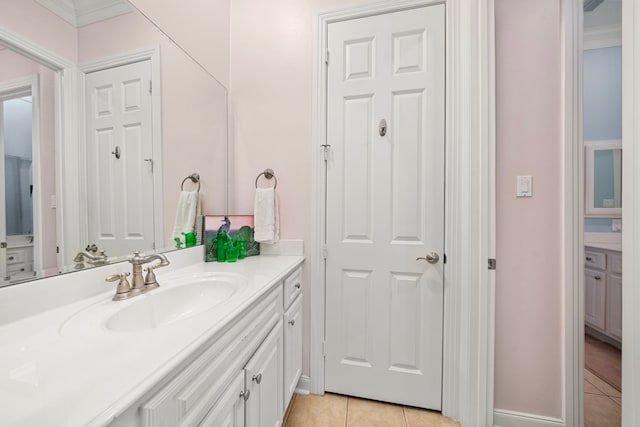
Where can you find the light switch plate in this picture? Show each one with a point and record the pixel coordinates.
(616, 225)
(524, 186)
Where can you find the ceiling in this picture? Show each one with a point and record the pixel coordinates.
(607, 14)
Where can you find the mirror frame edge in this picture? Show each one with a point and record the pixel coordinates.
(589, 210)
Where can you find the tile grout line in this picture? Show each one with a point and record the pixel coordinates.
(346, 413)
(404, 415)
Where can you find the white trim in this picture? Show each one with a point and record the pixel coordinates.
(630, 212)
(573, 188)
(304, 385)
(470, 230)
(518, 419)
(66, 135)
(603, 36)
(151, 54)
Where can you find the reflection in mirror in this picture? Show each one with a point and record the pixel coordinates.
(120, 115)
(604, 178)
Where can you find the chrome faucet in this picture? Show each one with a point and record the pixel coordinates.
(138, 284)
(92, 258)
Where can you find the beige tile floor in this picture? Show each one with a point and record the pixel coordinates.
(602, 403)
(332, 410)
(602, 408)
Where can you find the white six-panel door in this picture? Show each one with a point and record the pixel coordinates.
(385, 207)
(120, 186)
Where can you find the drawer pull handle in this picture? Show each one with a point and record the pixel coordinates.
(297, 285)
(257, 378)
(245, 394)
(292, 322)
(589, 258)
(10, 258)
(597, 277)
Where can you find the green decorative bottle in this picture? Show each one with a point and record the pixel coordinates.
(221, 241)
(242, 248)
(231, 252)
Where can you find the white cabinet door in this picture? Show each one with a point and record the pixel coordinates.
(292, 348)
(264, 380)
(229, 410)
(595, 294)
(614, 306)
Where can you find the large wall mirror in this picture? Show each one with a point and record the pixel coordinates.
(603, 186)
(102, 117)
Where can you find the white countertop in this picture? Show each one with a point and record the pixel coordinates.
(62, 374)
(608, 241)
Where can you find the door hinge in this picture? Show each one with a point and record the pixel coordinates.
(150, 86)
(326, 57)
(325, 151)
(324, 349)
(492, 263)
(324, 251)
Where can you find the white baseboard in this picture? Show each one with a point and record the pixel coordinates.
(503, 418)
(304, 385)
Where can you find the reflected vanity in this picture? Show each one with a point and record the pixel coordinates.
(120, 115)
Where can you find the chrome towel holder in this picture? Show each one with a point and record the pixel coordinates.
(194, 177)
(269, 174)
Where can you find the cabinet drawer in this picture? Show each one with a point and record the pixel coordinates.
(293, 329)
(15, 256)
(190, 395)
(595, 260)
(615, 263)
(292, 287)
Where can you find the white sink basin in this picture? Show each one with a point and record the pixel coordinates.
(165, 306)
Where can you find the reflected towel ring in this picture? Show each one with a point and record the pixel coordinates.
(194, 177)
(268, 173)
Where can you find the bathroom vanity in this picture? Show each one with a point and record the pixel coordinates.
(603, 290)
(216, 344)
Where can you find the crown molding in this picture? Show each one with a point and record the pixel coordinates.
(602, 36)
(84, 12)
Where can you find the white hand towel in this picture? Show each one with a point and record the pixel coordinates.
(266, 216)
(188, 208)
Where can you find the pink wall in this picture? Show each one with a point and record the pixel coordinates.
(271, 90)
(200, 26)
(15, 66)
(529, 280)
(38, 24)
(193, 111)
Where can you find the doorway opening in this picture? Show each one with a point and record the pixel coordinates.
(602, 145)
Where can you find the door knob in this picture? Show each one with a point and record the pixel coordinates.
(431, 258)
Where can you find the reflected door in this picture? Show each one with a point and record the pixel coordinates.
(385, 207)
(120, 159)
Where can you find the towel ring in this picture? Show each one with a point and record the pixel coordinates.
(268, 173)
(194, 177)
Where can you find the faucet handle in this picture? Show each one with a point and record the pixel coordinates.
(150, 281)
(123, 290)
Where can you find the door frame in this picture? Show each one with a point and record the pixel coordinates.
(152, 54)
(32, 84)
(468, 335)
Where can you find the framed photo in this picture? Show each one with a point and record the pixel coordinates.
(237, 227)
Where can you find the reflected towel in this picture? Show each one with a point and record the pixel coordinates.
(186, 212)
(266, 216)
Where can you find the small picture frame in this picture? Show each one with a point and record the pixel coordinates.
(238, 227)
